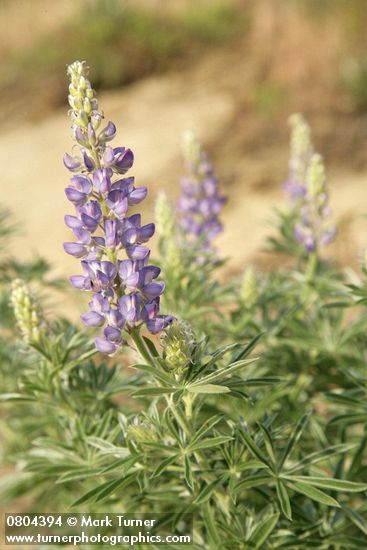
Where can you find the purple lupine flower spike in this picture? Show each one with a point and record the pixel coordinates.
(306, 187)
(200, 203)
(125, 292)
(314, 227)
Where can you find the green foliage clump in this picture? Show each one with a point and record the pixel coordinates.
(249, 413)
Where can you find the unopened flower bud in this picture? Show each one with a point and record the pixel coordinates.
(191, 148)
(26, 312)
(164, 217)
(249, 290)
(173, 260)
(141, 434)
(316, 176)
(177, 342)
(301, 136)
(81, 95)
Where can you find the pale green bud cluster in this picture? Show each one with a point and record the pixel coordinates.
(173, 260)
(26, 312)
(81, 97)
(301, 136)
(316, 178)
(249, 288)
(141, 434)
(177, 342)
(164, 217)
(191, 148)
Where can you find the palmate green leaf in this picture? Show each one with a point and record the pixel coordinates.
(207, 388)
(102, 491)
(254, 480)
(268, 442)
(263, 381)
(104, 425)
(160, 375)
(320, 456)
(78, 474)
(188, 473)
(350, 543)
(330, 483)
(251, 445)
(8, 397)
(283, 498)
(219, 353)
(347, 399)
(261, 532)
(349, 418)
(247, 350)
(314, 494)
(207, 443)
(107, 448)
(250, 465)
(123, 463)
(296, 434)
(356, 518)
(163, 465)
(159, 390)
(206, 427)
(208, 490)
(223, 373)
(358, 457)
(151, 347)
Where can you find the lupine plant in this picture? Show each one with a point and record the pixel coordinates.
(247, 406)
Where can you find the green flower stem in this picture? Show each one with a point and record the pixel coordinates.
(311, 267)
(177, 413)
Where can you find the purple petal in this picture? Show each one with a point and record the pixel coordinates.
(105, 346)
(130, 236)
(82, 184)
(124, 159)
(134, 220)
(76, 197)
(93, 319)
(80, 282)
(99, 303)
(73, 222)
(108, 156)
(150, 310)
(109, 132)
(71, 163)
(115, 318)
(126, 268)
(90, 223)
(82, 235)
(136, 252)
(88, 162)
(137, 195)
(153, 290)
(102, 180)
(146, 232)
(75, 249)
(149, 273)
(159, 323)
(113, 334)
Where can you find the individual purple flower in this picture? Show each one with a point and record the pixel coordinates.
(125, 292)
(200, 203)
